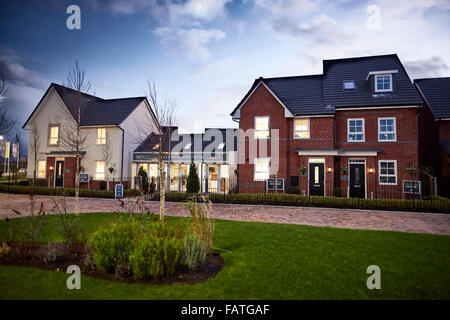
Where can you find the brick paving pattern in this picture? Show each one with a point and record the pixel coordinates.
(339, 218)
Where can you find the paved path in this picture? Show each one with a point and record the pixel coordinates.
(339, 218)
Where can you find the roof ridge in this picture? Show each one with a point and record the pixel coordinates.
(433, 78)
(290, 77)
(361, 57)
(71, 89)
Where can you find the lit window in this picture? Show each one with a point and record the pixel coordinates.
(386, 129)
(261, 169)
(355, 130)
(349, 85)
(221, 145)
(383, 83)
(53, 138)
(387, 172)
(301, 128)
(156, 146)
(100, 170)
(41, 169)
(261, 127)
(188, 146)
(101, 135)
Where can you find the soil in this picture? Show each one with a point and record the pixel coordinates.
(32, 255)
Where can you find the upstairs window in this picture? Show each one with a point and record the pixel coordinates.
(261, 169)
(53, 134)
(301, 128)
(261, 127)
(221, 146)
(355, 130)
(101, 135)
(386, 129)
(349, 85)
(383, 83)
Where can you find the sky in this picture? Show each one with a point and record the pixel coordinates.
(205, 54)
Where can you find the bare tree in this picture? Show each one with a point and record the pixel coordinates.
(106, 154)
(73, 137)
(165, 115)
(76, 80)
(6, 122)
(34, 149)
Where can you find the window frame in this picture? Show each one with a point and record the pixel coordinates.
(390, 82)
(363, 130)
(254, 168)
(268, 128)
(100, 138)
(97, 172)
(395, 129)
(49, 133)
(45, 169)
(387, 175)
(309, 129)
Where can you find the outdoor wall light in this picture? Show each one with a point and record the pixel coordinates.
(371, 170)
(51, 168)
(330, 169)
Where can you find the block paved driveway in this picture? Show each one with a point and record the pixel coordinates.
(340, 218)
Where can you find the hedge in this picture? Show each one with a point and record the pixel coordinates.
(70, 192)
(435, 204)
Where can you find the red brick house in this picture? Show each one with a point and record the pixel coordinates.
(354, 127)
(434, 129)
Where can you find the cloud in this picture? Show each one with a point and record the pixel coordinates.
(426, 68)
(204, 10)
(14, 71)
(217, 67)
(192, 41)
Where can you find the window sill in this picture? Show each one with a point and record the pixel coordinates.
(387, 184)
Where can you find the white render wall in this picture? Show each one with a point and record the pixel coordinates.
(53, 110)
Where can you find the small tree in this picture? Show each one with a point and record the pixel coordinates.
(193, 183)
(34, 149)
(106, 157)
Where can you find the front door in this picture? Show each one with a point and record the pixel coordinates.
(59, 174)
(316, 176)
(357, 180)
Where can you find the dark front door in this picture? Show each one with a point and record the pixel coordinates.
(316, 176)
(59, 173)
(357, 181)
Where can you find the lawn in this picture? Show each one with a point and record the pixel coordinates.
(270, 261)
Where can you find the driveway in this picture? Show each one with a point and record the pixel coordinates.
(339, 218)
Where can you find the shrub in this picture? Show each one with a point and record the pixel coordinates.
(69, 225)
(293, 190)
(52, 251)
(4, 249)
(155, 256)
(337, 192)
(23, 183)
(113, 245)
(194, 251)
(193, 182)
(102, 185)
(202, 224)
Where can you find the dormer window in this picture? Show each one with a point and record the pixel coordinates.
(383, 83)
(349, 85)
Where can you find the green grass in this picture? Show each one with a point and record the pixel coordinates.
(271, 261)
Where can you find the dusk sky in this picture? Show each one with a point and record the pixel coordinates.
(206, 54)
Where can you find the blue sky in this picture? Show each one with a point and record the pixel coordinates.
(206, 54)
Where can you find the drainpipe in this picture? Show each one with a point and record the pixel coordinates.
(123, 148)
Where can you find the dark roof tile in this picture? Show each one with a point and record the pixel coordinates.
(436, 92)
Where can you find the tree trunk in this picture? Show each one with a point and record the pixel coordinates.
(77, 186)
(162, 187)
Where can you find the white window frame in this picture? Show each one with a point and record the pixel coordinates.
(309, 129)
(387, 175)
(387, 132)
(254, 168)
(268, 127)
(97, 172)
(390, 82)
(100, 139)
(363, 130)
(39, 171)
